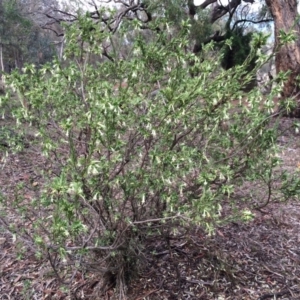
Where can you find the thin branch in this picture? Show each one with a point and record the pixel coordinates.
(251, 21)
(160, 219)
(53, 30)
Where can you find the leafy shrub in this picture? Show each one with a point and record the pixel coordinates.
(137, 147)
(10, 139)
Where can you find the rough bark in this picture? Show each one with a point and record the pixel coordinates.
(288, 56)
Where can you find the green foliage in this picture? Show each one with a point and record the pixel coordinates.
(139, 148)
(201, 27)
(238, 50)
(175, 11)
(10, 139)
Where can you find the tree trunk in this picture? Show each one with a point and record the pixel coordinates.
(1, 64)
(288, 56)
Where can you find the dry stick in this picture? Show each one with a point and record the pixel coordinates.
(275, 295)
(160, 219)
(268, 199)
(146, 295)
(53, 267)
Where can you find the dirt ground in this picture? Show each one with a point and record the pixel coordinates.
(256, 260)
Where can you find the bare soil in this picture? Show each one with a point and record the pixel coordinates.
(255, 260)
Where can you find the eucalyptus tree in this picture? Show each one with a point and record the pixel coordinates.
(286, 20)
(284, 14)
